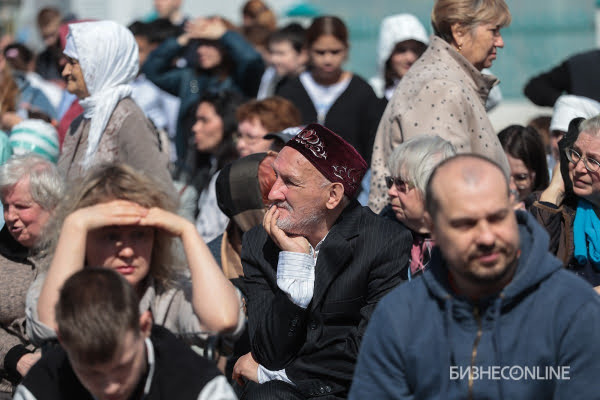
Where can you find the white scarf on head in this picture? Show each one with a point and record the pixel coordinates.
(108, 57)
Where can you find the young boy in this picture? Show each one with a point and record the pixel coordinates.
(111, 352)
(287, 56)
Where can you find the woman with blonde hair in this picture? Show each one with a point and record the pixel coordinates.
(445, 91)
(118, 218)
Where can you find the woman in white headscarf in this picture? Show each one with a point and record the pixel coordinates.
(102, 60)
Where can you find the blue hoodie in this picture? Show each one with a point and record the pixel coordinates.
(545, 317)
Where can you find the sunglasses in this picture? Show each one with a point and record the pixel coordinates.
(401, 185)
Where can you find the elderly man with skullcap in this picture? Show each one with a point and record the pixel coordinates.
(314, 271)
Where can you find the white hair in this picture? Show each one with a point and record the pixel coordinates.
(45, 182)
(415, 159)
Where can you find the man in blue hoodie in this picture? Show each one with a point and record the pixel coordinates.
(494, 317)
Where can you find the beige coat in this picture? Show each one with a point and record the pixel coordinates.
(442, 94)
(129, 137)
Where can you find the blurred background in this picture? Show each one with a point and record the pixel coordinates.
(542, 33)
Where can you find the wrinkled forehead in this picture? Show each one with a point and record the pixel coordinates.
(291, 162)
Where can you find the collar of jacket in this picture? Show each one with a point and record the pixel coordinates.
(481, 83)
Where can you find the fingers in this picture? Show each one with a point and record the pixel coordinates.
(237, 372)
(268, 218)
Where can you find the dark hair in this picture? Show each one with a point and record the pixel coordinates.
(225, 104)
(96, 308)
(18, 56)
(327, 25)
(389, 73)
(156, 31)
(46, 15)
(293, 33)
(525, 144)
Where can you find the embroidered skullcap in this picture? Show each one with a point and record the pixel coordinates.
(335, 158)
(35, 136)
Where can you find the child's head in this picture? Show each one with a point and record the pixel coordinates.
(287, 51)
(100, 328)
(327, 43)
(48, 21)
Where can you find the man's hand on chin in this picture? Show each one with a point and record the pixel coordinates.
(286, 242)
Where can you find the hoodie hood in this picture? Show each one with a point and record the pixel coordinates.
(395, 29)
(535, 263)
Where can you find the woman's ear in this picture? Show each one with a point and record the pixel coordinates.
(458, 34)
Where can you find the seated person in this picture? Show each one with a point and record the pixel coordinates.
(119, 219)
(110, 351)
(314, 272)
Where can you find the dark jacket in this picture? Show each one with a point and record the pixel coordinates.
(189, 84)
(576, 75)
(545, 316)
(361, 259)
(179, 373)
(354, 115)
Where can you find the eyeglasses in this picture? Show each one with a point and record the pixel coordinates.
(401, 185)
(589, 163)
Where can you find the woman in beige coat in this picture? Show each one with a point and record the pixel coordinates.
(444, 92)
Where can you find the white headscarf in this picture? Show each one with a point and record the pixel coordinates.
(395, 29)
(108, 56)
(568, 107)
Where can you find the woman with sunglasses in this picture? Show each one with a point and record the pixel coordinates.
(411, 164)
(569, 207)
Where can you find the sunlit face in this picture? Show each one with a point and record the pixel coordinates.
(209, 56)
(74, 76)
(327, 55)
(208, 129)
(118, 378)
(24, 218)
(475, 225)
(523, 177)
(250, 137)
(298, 193)
(586, 184)
(126, 249)
(404, 56)
(166, 8)
(479, 45)
(285, 59)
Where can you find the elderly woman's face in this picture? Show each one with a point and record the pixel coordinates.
(74, 77)
(479, 44)
(408, 204)
(24, 217)
(586, 184)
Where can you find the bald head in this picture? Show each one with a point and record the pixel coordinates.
(460, 172)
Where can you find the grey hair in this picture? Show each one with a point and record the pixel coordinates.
(45, 182)
(591, 126)
(415, 159)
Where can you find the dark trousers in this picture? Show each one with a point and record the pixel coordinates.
(272, 390)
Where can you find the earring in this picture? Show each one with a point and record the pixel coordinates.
(459, 48)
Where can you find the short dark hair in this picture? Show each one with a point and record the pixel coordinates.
(431, 201)
(327, 25)
(293, 33)
(96, 308)
(156, 31)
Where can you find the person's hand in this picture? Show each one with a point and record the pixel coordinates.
(245, 367)
(297, 244)
(555, 192)
(165, 220)
(26, 362)
(205, 28)
(115, 212)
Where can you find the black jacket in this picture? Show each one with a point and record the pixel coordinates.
(361, 259)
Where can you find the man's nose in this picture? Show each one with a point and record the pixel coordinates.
(276, 194)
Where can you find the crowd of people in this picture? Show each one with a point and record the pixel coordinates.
(198, 210)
